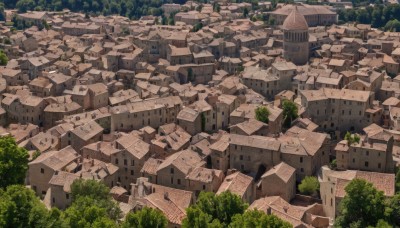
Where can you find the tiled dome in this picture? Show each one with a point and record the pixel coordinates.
(295, 21)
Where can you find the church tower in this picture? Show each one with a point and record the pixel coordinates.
(295, 38)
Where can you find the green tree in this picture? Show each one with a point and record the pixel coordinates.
(89, 188)
(290, 112)
(245, 12)
(393, 210)
(333, 164)
(397, 180)
(309, 186)
(351, 138)
(19, 207)
(92, 206)
(25, 5)
(197, 27)
(36, 154)
(145, 218)
(393, 25)
(255, 218)
(13, 162)
(213, 210)
(262, 114)
(362, 206)
(3, 58)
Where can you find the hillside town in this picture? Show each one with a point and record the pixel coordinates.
(160, 112)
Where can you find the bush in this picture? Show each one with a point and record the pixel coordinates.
(309, 186)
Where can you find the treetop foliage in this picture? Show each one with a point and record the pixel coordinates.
(227, 210)
(262, 114)
(13, 162)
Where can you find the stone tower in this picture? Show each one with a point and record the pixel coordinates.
(295, 38)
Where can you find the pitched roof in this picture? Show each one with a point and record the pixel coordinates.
(185, 161)
(237, 183)
(295, 21)
(57, 160)
(282, 170)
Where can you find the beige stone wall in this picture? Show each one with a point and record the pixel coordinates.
(39, 176)
(59, 198)
(198, 186)
(23, 114)
(274, 186)
(173, 179)
(99, 100)
(366, 159)
(336, 114)
(220, 160)
(129, 167)
(126, 121)
(249, 159)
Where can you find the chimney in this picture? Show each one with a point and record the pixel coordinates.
(166, 197)
(285, 208)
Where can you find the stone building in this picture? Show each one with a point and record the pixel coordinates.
(239, 184)
(333, 183)
(253, 154)
(295, 38)
(280, 180)
(337, 110)
(314, 15)
(130, 157)
(174, 170)
(42, 169)
(203, 179)
(152, 112)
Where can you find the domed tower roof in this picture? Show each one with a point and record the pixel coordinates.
(295, 21)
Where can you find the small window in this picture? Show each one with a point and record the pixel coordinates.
(132, 162)
(366, 164)
(172, 170)
(116, 161)
(301, 159)
(379, 165)
(132, 173)
(179, 181)
(125, 162)
(42, 170)
(302, 170)
(67, 196)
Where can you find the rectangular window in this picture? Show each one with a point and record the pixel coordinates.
(179, 181)
(172, 171)
(301, 159)
(366, 164)
(42, 170)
